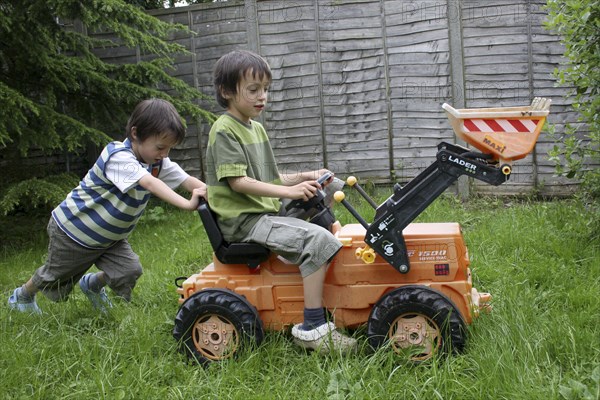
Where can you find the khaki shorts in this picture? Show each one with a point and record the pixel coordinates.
(307, 245)
(68, 261)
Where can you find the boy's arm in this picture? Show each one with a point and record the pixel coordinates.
(165, 193)
(192, 183)
(303, 190)
(298, 177)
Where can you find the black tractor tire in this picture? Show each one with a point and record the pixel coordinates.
(216, 324)
(417, 322)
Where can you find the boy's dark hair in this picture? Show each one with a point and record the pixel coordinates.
(232, 67)
(153, 117)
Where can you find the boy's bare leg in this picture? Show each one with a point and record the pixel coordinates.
(30, 288)
(313, 288)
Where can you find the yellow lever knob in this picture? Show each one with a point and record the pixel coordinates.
(351, 180)
(339, 196)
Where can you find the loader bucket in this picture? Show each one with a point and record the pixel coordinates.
(507, 133)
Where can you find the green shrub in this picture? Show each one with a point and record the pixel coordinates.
(577, 21)
(37, 193)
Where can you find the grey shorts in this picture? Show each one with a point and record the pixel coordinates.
(68, 261)
(307, 245)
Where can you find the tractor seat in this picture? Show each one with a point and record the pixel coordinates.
(250, 254)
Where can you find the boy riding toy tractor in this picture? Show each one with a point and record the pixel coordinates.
(410, 283)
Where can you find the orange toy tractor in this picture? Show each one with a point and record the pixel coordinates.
(410, 283)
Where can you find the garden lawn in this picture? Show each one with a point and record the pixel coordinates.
(540, 261)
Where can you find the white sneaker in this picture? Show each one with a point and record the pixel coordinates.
(23, 306)
(324, 339)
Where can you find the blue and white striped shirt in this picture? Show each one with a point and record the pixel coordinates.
(108, 202)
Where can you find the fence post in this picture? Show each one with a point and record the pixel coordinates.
(198, 121)
(528, 16)
(251, 15)
(454, 17)
(388, 100)
(320, 89)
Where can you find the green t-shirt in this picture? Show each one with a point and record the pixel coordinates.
(238, 149)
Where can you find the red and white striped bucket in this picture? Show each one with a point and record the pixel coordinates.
(507, 133)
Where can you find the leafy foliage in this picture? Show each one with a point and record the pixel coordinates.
(56, 93)
(37, 193)
(578, 22)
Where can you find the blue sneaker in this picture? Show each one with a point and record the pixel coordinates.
(23, 306)
(99, 300)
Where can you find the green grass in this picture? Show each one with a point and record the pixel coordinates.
(541, 341)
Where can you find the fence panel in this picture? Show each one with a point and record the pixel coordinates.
(358, 85)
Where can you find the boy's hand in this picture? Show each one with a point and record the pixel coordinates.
(304, 190)
(325, 178)
(200, 191)
(197, 194)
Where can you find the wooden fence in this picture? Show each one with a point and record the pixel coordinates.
(358, 85)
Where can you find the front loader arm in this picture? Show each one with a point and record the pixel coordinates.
(384, 235)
